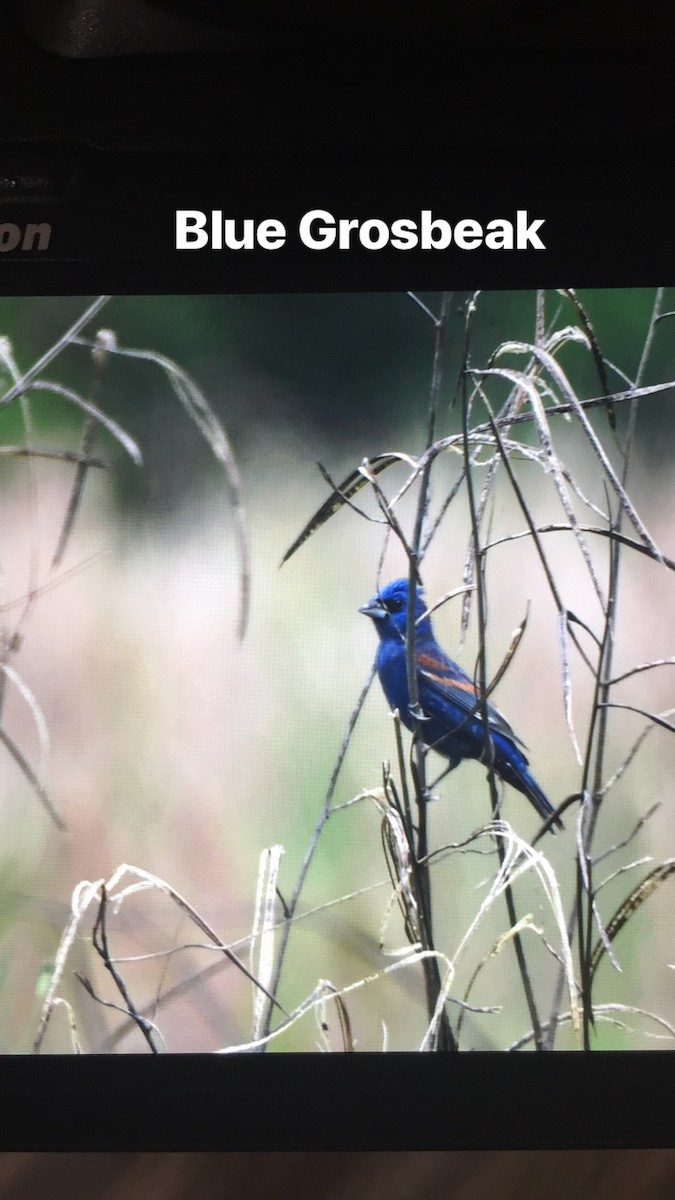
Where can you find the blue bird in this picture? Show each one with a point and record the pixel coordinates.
(451, 722)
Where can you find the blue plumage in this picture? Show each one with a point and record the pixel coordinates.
(447, 696)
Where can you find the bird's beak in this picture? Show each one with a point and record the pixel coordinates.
(375, 609)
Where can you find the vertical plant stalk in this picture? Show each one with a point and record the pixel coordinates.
(600, 714)
(445, 1040)
(100, 944)
(479, 568)
(290, 908)
(583, 908)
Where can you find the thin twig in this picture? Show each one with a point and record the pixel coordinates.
(66, 339)
(275, 973)
(481, 684)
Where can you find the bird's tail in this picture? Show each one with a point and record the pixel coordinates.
(519, 776)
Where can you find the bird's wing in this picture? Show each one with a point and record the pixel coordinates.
(442, 677)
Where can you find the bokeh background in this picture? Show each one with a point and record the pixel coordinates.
(180, 749)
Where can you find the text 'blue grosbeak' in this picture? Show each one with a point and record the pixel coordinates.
(451, 723)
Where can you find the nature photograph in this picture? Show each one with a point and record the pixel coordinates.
(337, 701)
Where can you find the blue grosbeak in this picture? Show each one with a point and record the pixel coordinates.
(451, 722)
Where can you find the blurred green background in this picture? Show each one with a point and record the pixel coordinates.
(178, 749)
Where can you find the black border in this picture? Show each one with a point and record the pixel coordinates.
(609, 224)
(339, 1102)
(113, 218)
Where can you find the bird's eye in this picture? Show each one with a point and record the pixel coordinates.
(395, 605)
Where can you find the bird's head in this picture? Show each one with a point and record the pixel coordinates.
(389, 610)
